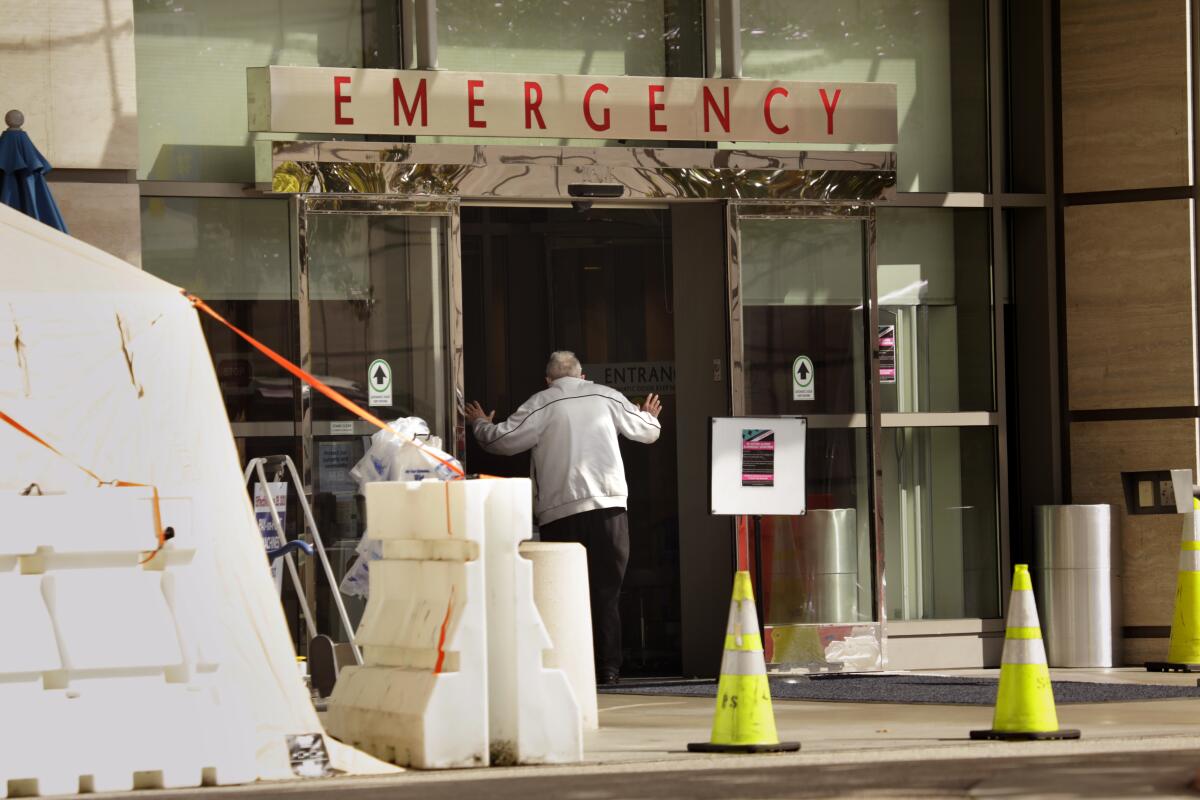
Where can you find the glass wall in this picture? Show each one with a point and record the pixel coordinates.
(236, 255)
(192, 57)
(940, 526)
(933, 50)
(377, 293)
(553, 37)
(935, 309)
(802, 294)
(600, 37)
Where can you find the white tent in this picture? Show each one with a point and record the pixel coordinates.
(109, 365)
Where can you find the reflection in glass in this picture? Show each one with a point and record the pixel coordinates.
(933, 50)
(940, 523)
(817, 568)
(192, 111)
(802, 294)
(377, 291)
(340, 513)
(552, 37)
(601, 37)
(935, 298)
(236, 255)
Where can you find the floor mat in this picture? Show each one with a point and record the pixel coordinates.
(905, 689)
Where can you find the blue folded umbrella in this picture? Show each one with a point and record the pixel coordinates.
(23, 179)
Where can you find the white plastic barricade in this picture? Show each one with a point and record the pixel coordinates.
(452, 643)
(108, 676)
(534, 716)
(560, 588)
(420, 698)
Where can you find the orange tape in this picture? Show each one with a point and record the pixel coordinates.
(160, 535)
(316, 383)
(441, 647)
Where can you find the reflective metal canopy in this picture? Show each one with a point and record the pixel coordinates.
(556, 173)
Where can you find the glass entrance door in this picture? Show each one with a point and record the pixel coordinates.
(600, 283)
(802, 284)
(378, 299)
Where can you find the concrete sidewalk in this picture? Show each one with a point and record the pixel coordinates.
(1130, 749)
(645, 728)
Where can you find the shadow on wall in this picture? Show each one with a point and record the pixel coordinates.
(77, 91)
(933, 50)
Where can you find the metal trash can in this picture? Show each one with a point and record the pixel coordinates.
(1077, 583)
(829, 549)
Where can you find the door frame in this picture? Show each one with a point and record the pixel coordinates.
(398, 177)
(306, 206)
(864, 215)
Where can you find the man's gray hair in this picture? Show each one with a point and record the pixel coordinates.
(563, 364)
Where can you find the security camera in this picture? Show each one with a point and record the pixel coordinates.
(595, 189)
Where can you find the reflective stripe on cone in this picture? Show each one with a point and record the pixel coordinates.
(744, 720)
(1183, 652)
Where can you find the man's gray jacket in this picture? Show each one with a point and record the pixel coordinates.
(572, 427)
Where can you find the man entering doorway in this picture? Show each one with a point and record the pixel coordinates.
(579, 489)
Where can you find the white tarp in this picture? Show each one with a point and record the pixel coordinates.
(108, 364)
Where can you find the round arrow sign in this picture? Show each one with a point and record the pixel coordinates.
(802, 371)
(380, 375)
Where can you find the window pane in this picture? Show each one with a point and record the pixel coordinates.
(561, 37)
(940, 528)
(601, 37)
(236, 255)
(376, 290)
(192, 57)
(935, 305)
(933, 50)
(801, 292)
(802, 295)
(817, 568)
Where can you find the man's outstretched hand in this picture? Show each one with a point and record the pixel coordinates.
(475, 411)
(652, 405)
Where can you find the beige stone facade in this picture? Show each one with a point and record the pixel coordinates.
(68, 65)
(1129, 258)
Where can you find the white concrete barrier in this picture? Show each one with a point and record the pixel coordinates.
(108, 674)
(452, 643)
(534, 715)
(560, 589)
(420, 698)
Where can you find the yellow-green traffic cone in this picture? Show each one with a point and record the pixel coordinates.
(744, 721)
(1025, 701)
(1183, 654)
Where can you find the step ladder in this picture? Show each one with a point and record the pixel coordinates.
(283, 469)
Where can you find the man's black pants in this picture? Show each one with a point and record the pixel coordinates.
(604, 533)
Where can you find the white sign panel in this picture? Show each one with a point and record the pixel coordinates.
(804, 379)
(758, 465)
(389, 102)
(379, 382)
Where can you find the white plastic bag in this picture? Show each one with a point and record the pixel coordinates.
(391, 458)
(356, 582)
